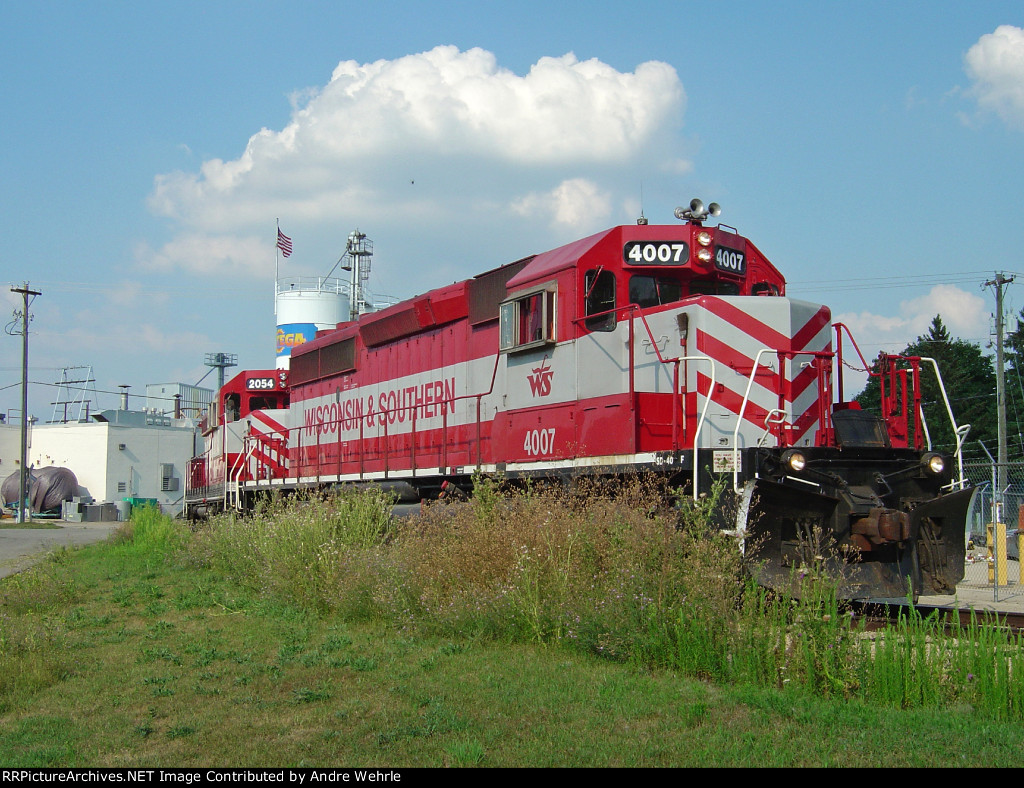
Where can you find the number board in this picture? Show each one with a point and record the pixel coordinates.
(731, 261)
(656, 253)
(260, 384)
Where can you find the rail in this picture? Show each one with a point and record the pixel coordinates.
(307, 284)
(840, 328)
(959, 431)
(773, 416)
(676, 390)
(235, 474)
(739, 419)
(703, 415)
(896, 401)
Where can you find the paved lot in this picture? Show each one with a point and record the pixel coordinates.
(20, 547)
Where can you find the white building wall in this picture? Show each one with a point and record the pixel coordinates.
(10, 449)
(78, 446)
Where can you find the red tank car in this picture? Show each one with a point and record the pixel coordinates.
(672, 348)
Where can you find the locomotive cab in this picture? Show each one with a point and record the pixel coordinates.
(655, 272)
(252, 390)
(676, 347)
(250, 413)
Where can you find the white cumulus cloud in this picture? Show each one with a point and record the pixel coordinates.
(425, 143)
(995, 65)
(578, 204)
(964, 314)
(203, 254)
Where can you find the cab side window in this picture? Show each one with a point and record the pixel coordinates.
(599, 300)
(527, 321)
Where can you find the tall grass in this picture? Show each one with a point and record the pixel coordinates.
(207, 671)
(149, 531)
(32, 631)
(603, 568)
(918, 663)
(302, 549)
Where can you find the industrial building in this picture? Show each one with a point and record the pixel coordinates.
(121, 454)
(178, 399)
(117, 455)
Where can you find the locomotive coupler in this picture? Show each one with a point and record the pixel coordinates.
(880, 527)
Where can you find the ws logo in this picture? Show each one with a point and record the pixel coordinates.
(540, 380)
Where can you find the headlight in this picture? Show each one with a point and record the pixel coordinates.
(704, 238)
(934, 464)
(794, 460)
(704, 255)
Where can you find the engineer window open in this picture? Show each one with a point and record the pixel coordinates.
(528, 321)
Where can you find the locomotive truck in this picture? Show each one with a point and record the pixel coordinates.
(672, 349)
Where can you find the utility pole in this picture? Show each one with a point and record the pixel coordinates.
(999, 284)
(23, 486)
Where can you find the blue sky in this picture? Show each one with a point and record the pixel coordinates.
(873, 150)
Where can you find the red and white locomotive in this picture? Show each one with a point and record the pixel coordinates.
(672, 348)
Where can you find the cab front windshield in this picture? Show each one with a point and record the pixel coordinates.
(647, 291)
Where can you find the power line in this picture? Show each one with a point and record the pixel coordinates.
(874, 283)
(98, 391)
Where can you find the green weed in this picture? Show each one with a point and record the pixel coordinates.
(579, 625)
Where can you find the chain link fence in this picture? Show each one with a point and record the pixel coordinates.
(993, 554)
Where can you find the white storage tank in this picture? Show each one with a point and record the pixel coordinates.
(303, 306)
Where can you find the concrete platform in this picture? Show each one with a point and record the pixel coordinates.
(978, 590)
(1007, 599)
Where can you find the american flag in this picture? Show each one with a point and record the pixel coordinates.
(284, 243)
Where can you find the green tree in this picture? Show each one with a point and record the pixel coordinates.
(1013, 350)
(970, 382)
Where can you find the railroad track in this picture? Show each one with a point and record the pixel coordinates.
(879, 615)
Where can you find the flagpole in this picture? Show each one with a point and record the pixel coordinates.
(277, 262)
